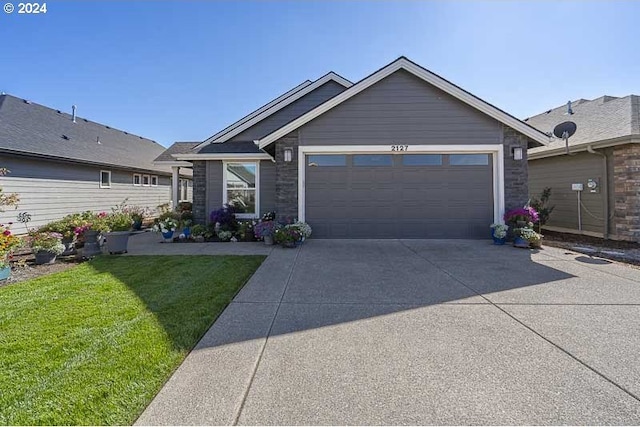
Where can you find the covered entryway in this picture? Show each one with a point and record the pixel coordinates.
(399, 195)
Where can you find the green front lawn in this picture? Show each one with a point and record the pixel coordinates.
(94, 344)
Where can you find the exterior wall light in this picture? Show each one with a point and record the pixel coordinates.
(288, 154)
(517, 153)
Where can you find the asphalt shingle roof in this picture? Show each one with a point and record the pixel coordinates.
(599, 119)
(30, 128)
(181, 147)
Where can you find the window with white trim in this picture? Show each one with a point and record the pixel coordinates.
(137, 179)
(241, 187)
(105, 179)
(146, 180)
(154, 180)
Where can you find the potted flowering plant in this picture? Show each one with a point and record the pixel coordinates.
(166, 226)
(303, 228)
(265, 230)
(520, 217)
(499, 233)
(118, 224)
(287, 236)
(46, 245)
(8, 242)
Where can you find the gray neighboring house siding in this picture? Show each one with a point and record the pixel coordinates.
(611, 126)
(49, 190)
(55, 164)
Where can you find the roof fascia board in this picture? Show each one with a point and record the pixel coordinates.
(47, 157)
(261, 109)
(223, 156)
(583, 147)
(275, 108)
(425, 75)
(173, 163)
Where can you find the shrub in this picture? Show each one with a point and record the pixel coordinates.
(198, 230)
(541, 204)
(225, 235)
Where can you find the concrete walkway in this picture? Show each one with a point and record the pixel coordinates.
(150, 243)
(417, 332)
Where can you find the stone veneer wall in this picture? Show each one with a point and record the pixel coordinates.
(626, 184)
(199, 191)
(516, 172)
(287, 177)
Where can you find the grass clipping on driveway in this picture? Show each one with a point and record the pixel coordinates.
(94, 344)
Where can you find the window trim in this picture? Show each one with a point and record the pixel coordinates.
(154, 178)
(257, 189)
(148, 184)
(139, 179)
(100, 178)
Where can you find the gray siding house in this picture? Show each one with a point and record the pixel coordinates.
(403, 153)
(60, 164)
(603, 156)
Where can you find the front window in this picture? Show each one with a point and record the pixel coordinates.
(241, 183)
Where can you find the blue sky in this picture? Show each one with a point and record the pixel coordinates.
(183, 70)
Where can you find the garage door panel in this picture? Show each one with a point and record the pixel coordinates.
(430, 201)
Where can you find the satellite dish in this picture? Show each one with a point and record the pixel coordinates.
(565, 130)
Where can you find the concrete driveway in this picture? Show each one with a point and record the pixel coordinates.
(417, 332)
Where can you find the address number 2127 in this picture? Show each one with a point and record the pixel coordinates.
(399, 147)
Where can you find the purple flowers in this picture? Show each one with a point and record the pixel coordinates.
(526, 214)
(224, 216)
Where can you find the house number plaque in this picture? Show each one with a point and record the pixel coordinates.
(399, 148)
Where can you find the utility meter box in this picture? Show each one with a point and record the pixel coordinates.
(593, 184)
(577, 187)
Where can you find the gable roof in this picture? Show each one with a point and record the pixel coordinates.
(179, 147)
(28, 128)
(606, 120)
(272, 107)
(426, 75)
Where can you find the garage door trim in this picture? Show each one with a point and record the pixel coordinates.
(496, 150)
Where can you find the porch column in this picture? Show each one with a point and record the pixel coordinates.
(175, 186)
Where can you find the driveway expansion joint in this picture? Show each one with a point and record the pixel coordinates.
(584, 364)
(236, 418)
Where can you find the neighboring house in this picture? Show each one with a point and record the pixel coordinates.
(604, 157)
(62, 164)
(403, 153)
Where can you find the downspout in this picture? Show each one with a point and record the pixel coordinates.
(605, 189)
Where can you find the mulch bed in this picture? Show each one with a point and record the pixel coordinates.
(23, 267)
(616, 250)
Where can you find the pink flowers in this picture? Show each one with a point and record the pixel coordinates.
(526, 214)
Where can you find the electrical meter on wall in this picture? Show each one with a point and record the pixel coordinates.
(593, 185)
